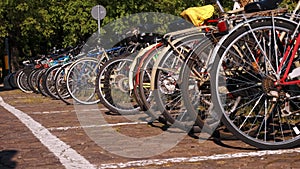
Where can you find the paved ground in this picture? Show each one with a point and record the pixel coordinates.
(37, 132)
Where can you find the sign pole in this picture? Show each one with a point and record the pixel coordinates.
(99, 23)
(98, 12)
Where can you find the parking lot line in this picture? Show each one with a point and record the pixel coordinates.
(67, 156)
(65, 111)
(93, 126)
(158, 162)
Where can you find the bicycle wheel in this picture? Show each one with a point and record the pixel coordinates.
(196, 83)
(167, 95)
(133, 71)
(113, 86)
(49, 81)
(61, 84)
(22, 81)
(245, 89)
(81, 80)
(142, 90)
(40, 79)
(32, 80)
(11, 80)
(16, 77)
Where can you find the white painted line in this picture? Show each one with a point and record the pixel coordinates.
(93, 126)
(67, 156)
(50, 112)
(157, 162)
(67, 111)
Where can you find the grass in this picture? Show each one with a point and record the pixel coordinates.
(31, 100)
(17, 97)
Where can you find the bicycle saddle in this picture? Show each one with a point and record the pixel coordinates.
(262, 5)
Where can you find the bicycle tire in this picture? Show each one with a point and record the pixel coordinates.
(81, 82)
(113, 89)
(34, 80)
(11, 80)
(142, 87)
(243, 84)
(40, 79)
(195, 82)
(31, 80)
(22, 82)
(61, 85)
(49, 81)
(167, 93)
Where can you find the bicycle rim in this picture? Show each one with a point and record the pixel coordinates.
(244, 89)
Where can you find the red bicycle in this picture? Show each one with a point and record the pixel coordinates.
(256, 81)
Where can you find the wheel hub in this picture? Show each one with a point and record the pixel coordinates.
(268, 85)
(168, 85)
(121, 82)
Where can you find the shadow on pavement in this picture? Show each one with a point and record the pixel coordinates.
(220, 138)
(6, 88)
(6, 157)
(2, 89)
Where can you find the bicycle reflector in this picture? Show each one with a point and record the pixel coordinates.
(223, 26)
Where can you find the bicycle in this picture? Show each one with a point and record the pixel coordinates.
(167, 72)
(181, 104)
(255, 81)
(80, 76)
(114, 82)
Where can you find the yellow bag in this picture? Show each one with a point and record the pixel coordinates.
(197, 15)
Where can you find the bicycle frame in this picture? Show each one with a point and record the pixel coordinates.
(251, 77)
(286, 73)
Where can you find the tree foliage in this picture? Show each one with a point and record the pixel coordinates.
(35, 26)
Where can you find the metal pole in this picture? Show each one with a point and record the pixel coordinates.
(99, 21)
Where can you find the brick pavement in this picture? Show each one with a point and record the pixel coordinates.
(20, 149)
